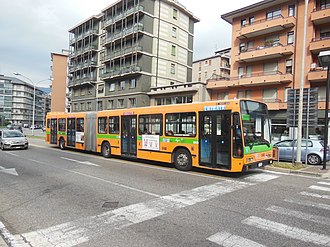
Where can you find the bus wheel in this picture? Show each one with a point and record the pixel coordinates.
(182, 160)
(106, 150)
(62, 143)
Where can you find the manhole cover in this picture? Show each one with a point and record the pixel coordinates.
(110, 205)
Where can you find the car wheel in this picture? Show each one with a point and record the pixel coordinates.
(62, 144)
(182, 160)
(106, 150)
(313, 159)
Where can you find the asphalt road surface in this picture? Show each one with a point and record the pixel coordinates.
(50, 197)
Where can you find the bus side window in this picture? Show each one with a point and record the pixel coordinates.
(237, 136)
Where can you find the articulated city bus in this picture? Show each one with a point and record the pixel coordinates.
(230, 135)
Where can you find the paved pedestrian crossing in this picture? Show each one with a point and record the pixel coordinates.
(315, 197)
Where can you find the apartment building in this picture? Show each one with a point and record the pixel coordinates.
(16, 102)
(267, 51)
(214, 67)
(130, 47)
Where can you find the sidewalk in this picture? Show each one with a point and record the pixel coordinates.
(2, 242)
(309, 170)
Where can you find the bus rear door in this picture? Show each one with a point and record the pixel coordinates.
(53, 131)
(128, 135)
(214, 139)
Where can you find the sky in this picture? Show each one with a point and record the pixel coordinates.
(31, 29)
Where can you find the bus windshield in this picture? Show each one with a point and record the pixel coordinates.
(256, 123)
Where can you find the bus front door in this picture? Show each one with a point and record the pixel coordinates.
(71, 134)
(128, 135)
(214, 139)
(53, 131)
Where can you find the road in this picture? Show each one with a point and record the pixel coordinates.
(50, 197)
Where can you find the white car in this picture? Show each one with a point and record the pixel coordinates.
(13, 139)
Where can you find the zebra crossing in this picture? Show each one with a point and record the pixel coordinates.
(317, 197)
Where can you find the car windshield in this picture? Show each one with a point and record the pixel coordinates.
(256, 123)
(12, 134)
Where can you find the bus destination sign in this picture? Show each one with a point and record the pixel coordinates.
(215, 108)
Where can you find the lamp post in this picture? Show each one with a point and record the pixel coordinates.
(324, 59)
(34, 95)
(96, 101)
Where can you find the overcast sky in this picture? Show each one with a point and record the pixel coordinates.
(32, 29)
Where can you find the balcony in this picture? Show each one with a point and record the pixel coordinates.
(122, 52)
(275, 50)
(265, 26)
(133, 9)
(138, 27)
(317, 75)
(321, 15)
(121, 71)
(251, 80)
(318, 45)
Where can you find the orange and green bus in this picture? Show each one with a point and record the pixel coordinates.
(229, 135)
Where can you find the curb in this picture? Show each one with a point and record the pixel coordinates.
(289, 171)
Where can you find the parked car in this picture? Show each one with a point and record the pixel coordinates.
(13, 139)
(25, 125)
(34, 127)
(313, 153)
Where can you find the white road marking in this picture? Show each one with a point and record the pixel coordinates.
(227, 239)
(81, 162)
(288, 231)
(315, 187)
(258, 178)
(13, 154)
(324, 183)
(300, 215)
(309, 204)
(304, 193)
(10, 171)
(84, 229)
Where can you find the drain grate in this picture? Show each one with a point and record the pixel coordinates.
(110, 205)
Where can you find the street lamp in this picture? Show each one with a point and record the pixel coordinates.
(324, 59)
(34, 95)
(96, 101)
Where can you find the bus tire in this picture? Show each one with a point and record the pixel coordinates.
(182, 160)
(62, 143)
(106, 150)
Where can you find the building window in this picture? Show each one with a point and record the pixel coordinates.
(325, 4)
(112, 87)
(270, 68)
(291, 10)
(286, 93)
(172, 68)
(248, 71)
(173, 50)
(223, 96)
(288, 66)
(132, 83)
(83, 91)
(174, 32)
(240, 72)
(100, 89)
(290, 38)
(270, 94)
(89, 91)
(273, 40)
(273, 14)
(205, 75)
(251, 20)
(242, 47)
(121, 103)
(122, 85)
(250, 45)
(75, 107)
(89, 106)
(76, 92)
(110, 104)
(132, 102)
(100, 105)
(243, 22)
(210, 62)
(325, 33)
(82, 106)
(175, 14)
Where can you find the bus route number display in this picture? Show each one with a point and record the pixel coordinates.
(150, 142)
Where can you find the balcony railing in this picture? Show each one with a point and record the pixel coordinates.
(320, 44)
(110, 20)
(135, 28)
